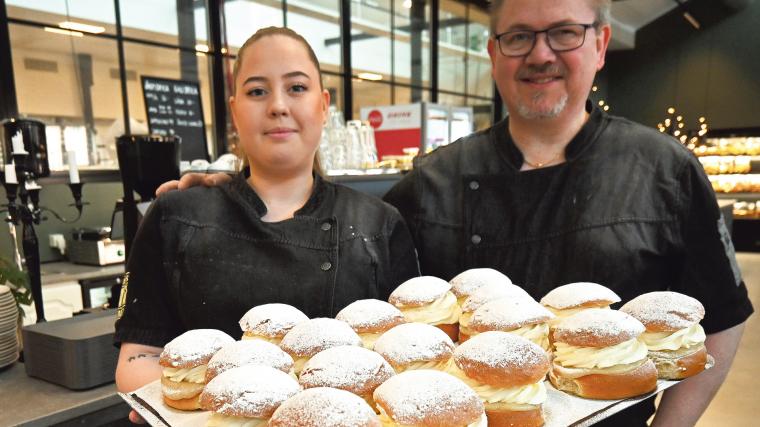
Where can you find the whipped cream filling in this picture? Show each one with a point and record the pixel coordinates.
(192, 375)
(219, 420)
(272, 340)
(538, 334)
(625, 353)
(442, 311)
(531, 394)
(465, 319)
(299, 363)
(387, 421)
(439, 366)
(684, 338)
(369, 338)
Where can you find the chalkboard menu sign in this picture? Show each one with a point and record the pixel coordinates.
(174, 108)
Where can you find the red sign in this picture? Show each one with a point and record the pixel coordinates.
(375, 118)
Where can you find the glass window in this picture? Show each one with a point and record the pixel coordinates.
(243, 18)
(371, 39)
(482, 111)
(479, 82)
(142, 60)
(334, 84)
(368, 93)
(451, 99)
(70, 83)
(319, 23)
(97, 16)
(408, 95)
(451, 46)
(174, 22)
(411, 47)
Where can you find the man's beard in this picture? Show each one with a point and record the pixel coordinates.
(533, 109)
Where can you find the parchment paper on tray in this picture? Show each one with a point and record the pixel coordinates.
(560, 409)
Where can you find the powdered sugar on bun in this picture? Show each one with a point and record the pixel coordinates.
(467, 282)
(509, 314)
(493, 292)
(271, 320)
(324, 407)
(597, 327)
(371, 315)
(309, 338)
(419, 291)
(349, 368)
(502, 359)
(665, 311)
(193, 348)
(579, 294)
(249, 352)
(414, 342)
(430, 398)
(248, 391)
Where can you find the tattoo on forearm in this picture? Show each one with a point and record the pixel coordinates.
(141, 356)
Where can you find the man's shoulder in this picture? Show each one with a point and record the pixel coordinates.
(644, 140)
(349, 200)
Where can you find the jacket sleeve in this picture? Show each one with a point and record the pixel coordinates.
(147, 314)
(709, 271)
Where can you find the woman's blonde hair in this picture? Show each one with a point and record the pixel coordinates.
(258, 35)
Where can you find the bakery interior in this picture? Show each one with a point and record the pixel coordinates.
(78, 76)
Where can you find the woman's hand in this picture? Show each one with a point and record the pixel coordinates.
(193, 180)
(137, 366)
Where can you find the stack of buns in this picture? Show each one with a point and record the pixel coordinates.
(674, 338)
(428, 300)
(598, 355)
(567, 300)
(370, 318)
(398, 359)
(184, 361)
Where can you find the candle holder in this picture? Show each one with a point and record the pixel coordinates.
(23, 208)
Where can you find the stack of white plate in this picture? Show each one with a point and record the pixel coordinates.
(8, 326)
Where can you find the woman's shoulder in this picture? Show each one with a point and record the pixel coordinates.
(195, 202)
(361, 205)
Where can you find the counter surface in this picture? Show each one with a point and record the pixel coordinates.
(56, 272)
(30, 402)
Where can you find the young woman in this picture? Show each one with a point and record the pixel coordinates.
(277, 232)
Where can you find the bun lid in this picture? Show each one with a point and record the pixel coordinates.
(271, 320)
(509, 314)
(579, 294)
(597, 327)
(468, 281)
(414, 342)
(309, 338)
(349, 368)
(252, 391)
(419, 291)
(248, 352)
(665, 311)
(428, 398)
(501, 359)
(324, 407)
(193, 348)
(370, 315)
(493, 292)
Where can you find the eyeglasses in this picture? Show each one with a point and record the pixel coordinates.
(561, 38)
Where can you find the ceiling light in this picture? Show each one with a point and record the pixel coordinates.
(407, 4)
(64, 32)
(370, 76)
(201, 48)
(671, 110)
(78, 26)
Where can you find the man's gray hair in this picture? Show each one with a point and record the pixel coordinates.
(601, 8)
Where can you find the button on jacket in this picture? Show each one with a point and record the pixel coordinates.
(203, 257)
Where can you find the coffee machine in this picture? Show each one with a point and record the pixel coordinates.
(145, 162)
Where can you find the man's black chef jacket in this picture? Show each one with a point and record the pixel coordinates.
(630, 209)
(203, 257)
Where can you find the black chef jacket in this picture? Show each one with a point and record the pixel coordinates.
(630, 208)
(203, 257)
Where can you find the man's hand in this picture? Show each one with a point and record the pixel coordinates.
(193, 180)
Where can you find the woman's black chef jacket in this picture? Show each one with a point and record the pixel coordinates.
(630, 208)
(203, 257)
